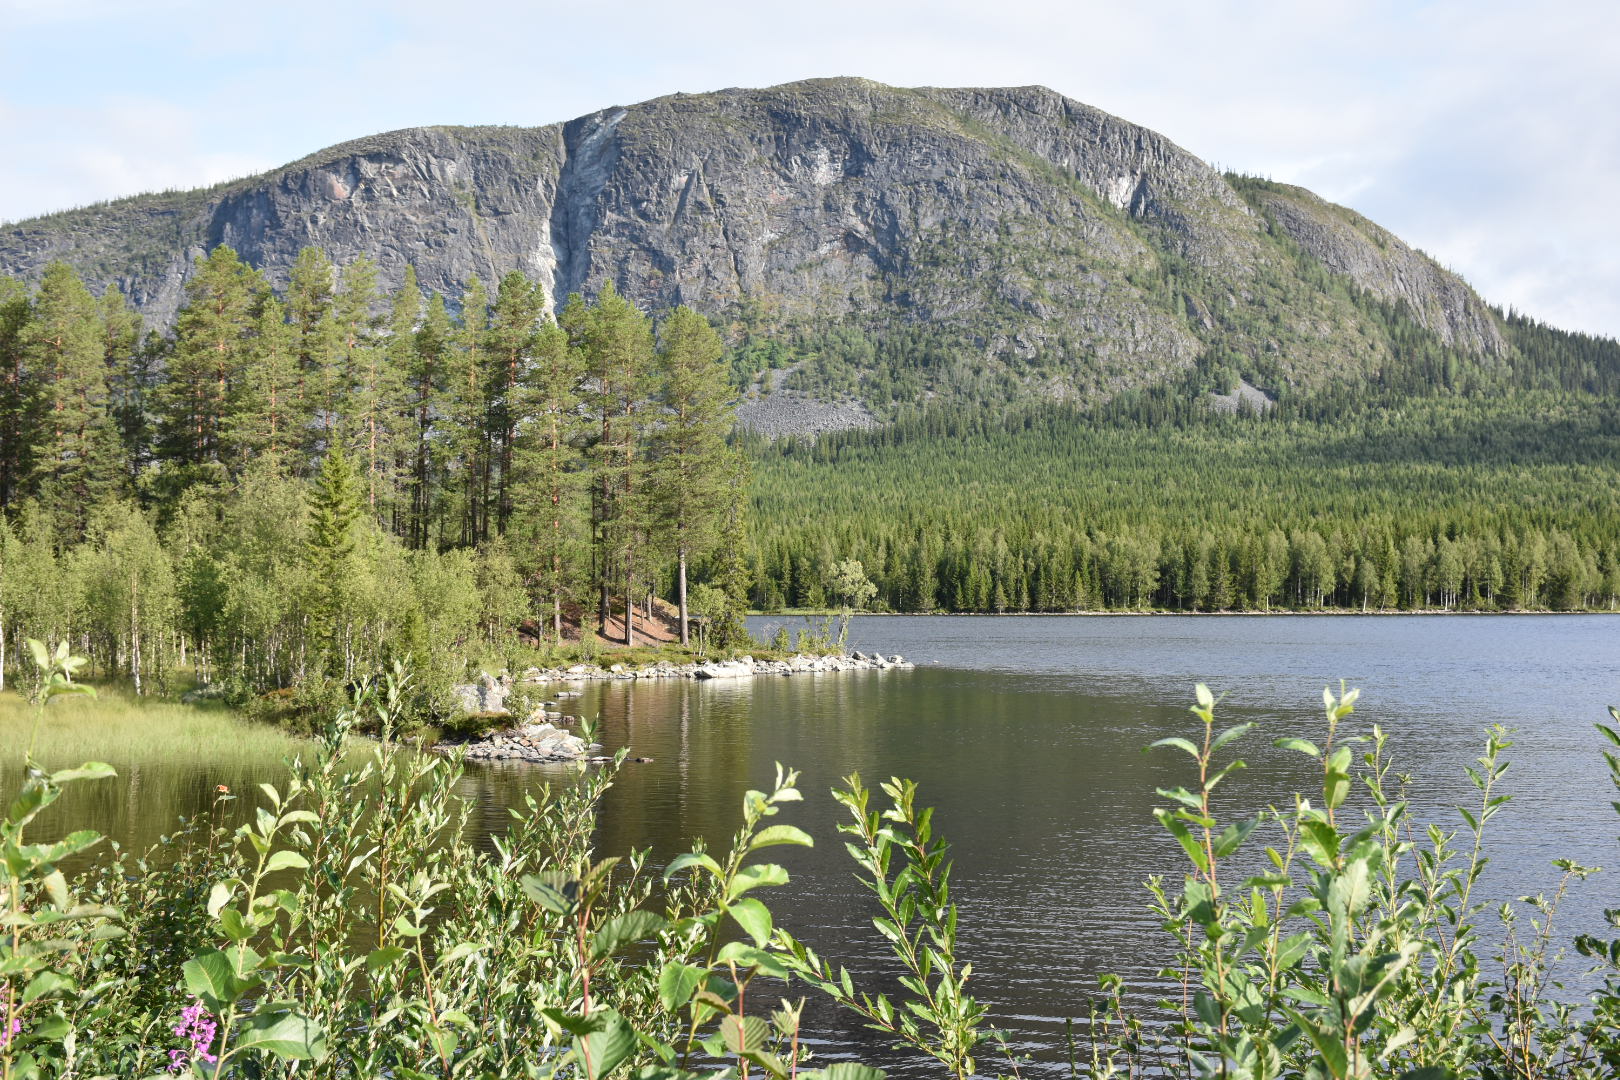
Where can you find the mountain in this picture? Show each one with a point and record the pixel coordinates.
(882, 245)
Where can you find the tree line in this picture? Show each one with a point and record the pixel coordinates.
(306, 479)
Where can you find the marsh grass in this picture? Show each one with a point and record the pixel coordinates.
(117, 727)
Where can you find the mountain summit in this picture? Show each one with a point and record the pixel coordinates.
(1009, 240)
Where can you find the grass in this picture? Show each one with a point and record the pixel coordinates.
(117, 727)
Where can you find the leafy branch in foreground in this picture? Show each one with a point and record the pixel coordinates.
(904, 866)
(1323, 957)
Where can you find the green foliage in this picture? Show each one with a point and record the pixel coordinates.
(1474, 504)
(325, 488)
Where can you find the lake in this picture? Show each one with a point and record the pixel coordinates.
(1027, 733)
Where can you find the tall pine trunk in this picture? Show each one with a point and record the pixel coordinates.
(681, 589)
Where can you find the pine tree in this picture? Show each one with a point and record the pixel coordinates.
(266, 419)
(513, 333)
(311, 289)
(690, 477)
(619, 349)
(360, 391)
(428, 374)
(75, 458)
(547, 479)
(14, 450)
(129, 376)
(469, 411)
(395, 417)
(213, 351)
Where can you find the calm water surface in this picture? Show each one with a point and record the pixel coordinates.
(1027, 734)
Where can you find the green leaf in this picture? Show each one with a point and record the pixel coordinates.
(744, 1033)
(755, 919)
(287, 1035)
(574, 1025)
(745, 955)
(230, 920)
(212, 976)
(385, 957)
(621, 930)
(1331, 1049)
(845, 1070)
(606, 1048)
(780, 834)
(46, 982)
(286, 860)
(692, 858)
(677, 983)
(1232, 839)
(1304, 746)
(1231, 733)
(1206, 700)
(461, 952)
(90, 770)
(553, 891)
(752, 877)
(1177, 742)
(1184, 837)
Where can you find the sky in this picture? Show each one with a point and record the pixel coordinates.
(1482, 131)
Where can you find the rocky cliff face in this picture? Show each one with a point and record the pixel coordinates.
(1064, 250)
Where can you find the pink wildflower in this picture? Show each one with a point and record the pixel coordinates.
(199, 1028)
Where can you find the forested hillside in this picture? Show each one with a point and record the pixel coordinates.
(1482, 502)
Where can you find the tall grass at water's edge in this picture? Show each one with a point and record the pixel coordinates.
(118, 727)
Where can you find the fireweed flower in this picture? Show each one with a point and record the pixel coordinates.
(197, 1027)
(8, 1032)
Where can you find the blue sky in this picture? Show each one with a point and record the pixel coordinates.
(1483, 132)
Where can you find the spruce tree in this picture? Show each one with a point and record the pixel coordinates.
(14, 450)
(311, 289)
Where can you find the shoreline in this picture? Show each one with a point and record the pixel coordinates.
(537, 740)
(1104, 614)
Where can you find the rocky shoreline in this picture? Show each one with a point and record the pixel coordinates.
(539, 740)
(538, 743)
